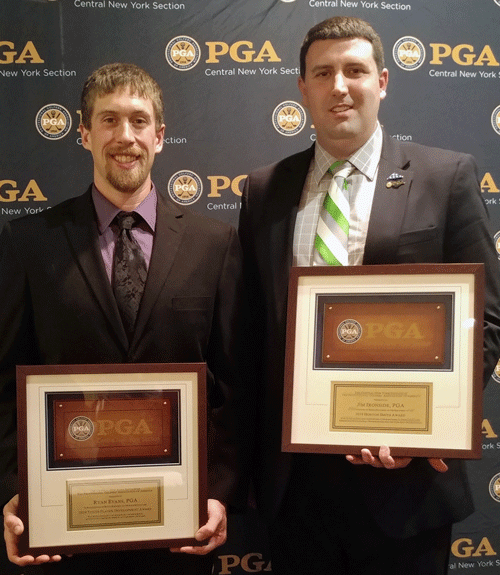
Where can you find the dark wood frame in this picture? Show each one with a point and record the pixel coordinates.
(201, 417)
(475, 270)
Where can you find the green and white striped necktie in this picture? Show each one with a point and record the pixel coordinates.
(333, 223)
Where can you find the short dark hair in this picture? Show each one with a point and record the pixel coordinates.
(107, 79)
(342, 27)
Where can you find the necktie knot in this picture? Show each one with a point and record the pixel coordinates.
(337, 166)
(341, 170)
(127, 220)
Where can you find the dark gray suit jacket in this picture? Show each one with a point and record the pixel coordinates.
(436, 216)
(57, 307)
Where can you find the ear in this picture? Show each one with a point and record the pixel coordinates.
(303, 90)
(85, 136)
(159, 139)
(383, 81)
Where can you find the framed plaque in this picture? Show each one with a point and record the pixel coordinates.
(387, 355)
(111, 456)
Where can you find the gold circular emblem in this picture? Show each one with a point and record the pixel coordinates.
(53, 122)
(496, 239)
(289, 118)
(183, 53)
(496, 372)
(349, 331)
(408, 53)
(185, 187)
(81, 428)
(495, 487)
(495, 120)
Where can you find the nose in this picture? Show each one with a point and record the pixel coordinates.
(339, 85)
(124, 132)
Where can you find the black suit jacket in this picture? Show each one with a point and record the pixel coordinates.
(58, 308)
(437, 215)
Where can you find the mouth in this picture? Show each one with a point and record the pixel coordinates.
(340, 108)
(125, 159)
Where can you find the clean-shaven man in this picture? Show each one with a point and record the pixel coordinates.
(367, 513)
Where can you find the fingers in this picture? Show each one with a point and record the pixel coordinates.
(13, 529)
(214, 532)
(384, 459)
(366, 458)
(438, 464)
(209, 529)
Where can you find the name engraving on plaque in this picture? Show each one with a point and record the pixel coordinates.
(388, 407)
(108, 504)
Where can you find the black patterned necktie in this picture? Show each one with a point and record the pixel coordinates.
(129, 270)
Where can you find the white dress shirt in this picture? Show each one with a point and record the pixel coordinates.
(360, 196)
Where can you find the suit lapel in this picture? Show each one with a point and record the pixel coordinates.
(83, 237)
(389, 204)
(385, 224)
(169, 231)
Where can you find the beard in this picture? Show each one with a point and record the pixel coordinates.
(128, 181)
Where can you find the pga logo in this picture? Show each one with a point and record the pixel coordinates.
(249, 563)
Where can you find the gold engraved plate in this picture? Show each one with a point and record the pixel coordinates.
(381, 408)
(110, 504)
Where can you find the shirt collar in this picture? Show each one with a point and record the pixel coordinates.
(106, 211)
(365, 159)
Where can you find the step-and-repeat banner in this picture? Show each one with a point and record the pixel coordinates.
(228, 69)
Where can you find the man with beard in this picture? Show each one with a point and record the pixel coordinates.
(397, 203)
(61, 305)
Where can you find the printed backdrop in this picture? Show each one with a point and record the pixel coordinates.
(228, 69)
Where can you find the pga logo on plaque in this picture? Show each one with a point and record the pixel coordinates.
(81, 428)
(349, 331)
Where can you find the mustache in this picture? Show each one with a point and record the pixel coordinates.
(125, 152)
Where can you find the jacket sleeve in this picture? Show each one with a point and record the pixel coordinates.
(231, 409)
(470, 239)
(17, 347)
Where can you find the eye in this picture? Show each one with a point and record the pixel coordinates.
(140, 122)
(322, 74)
(355, 71)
